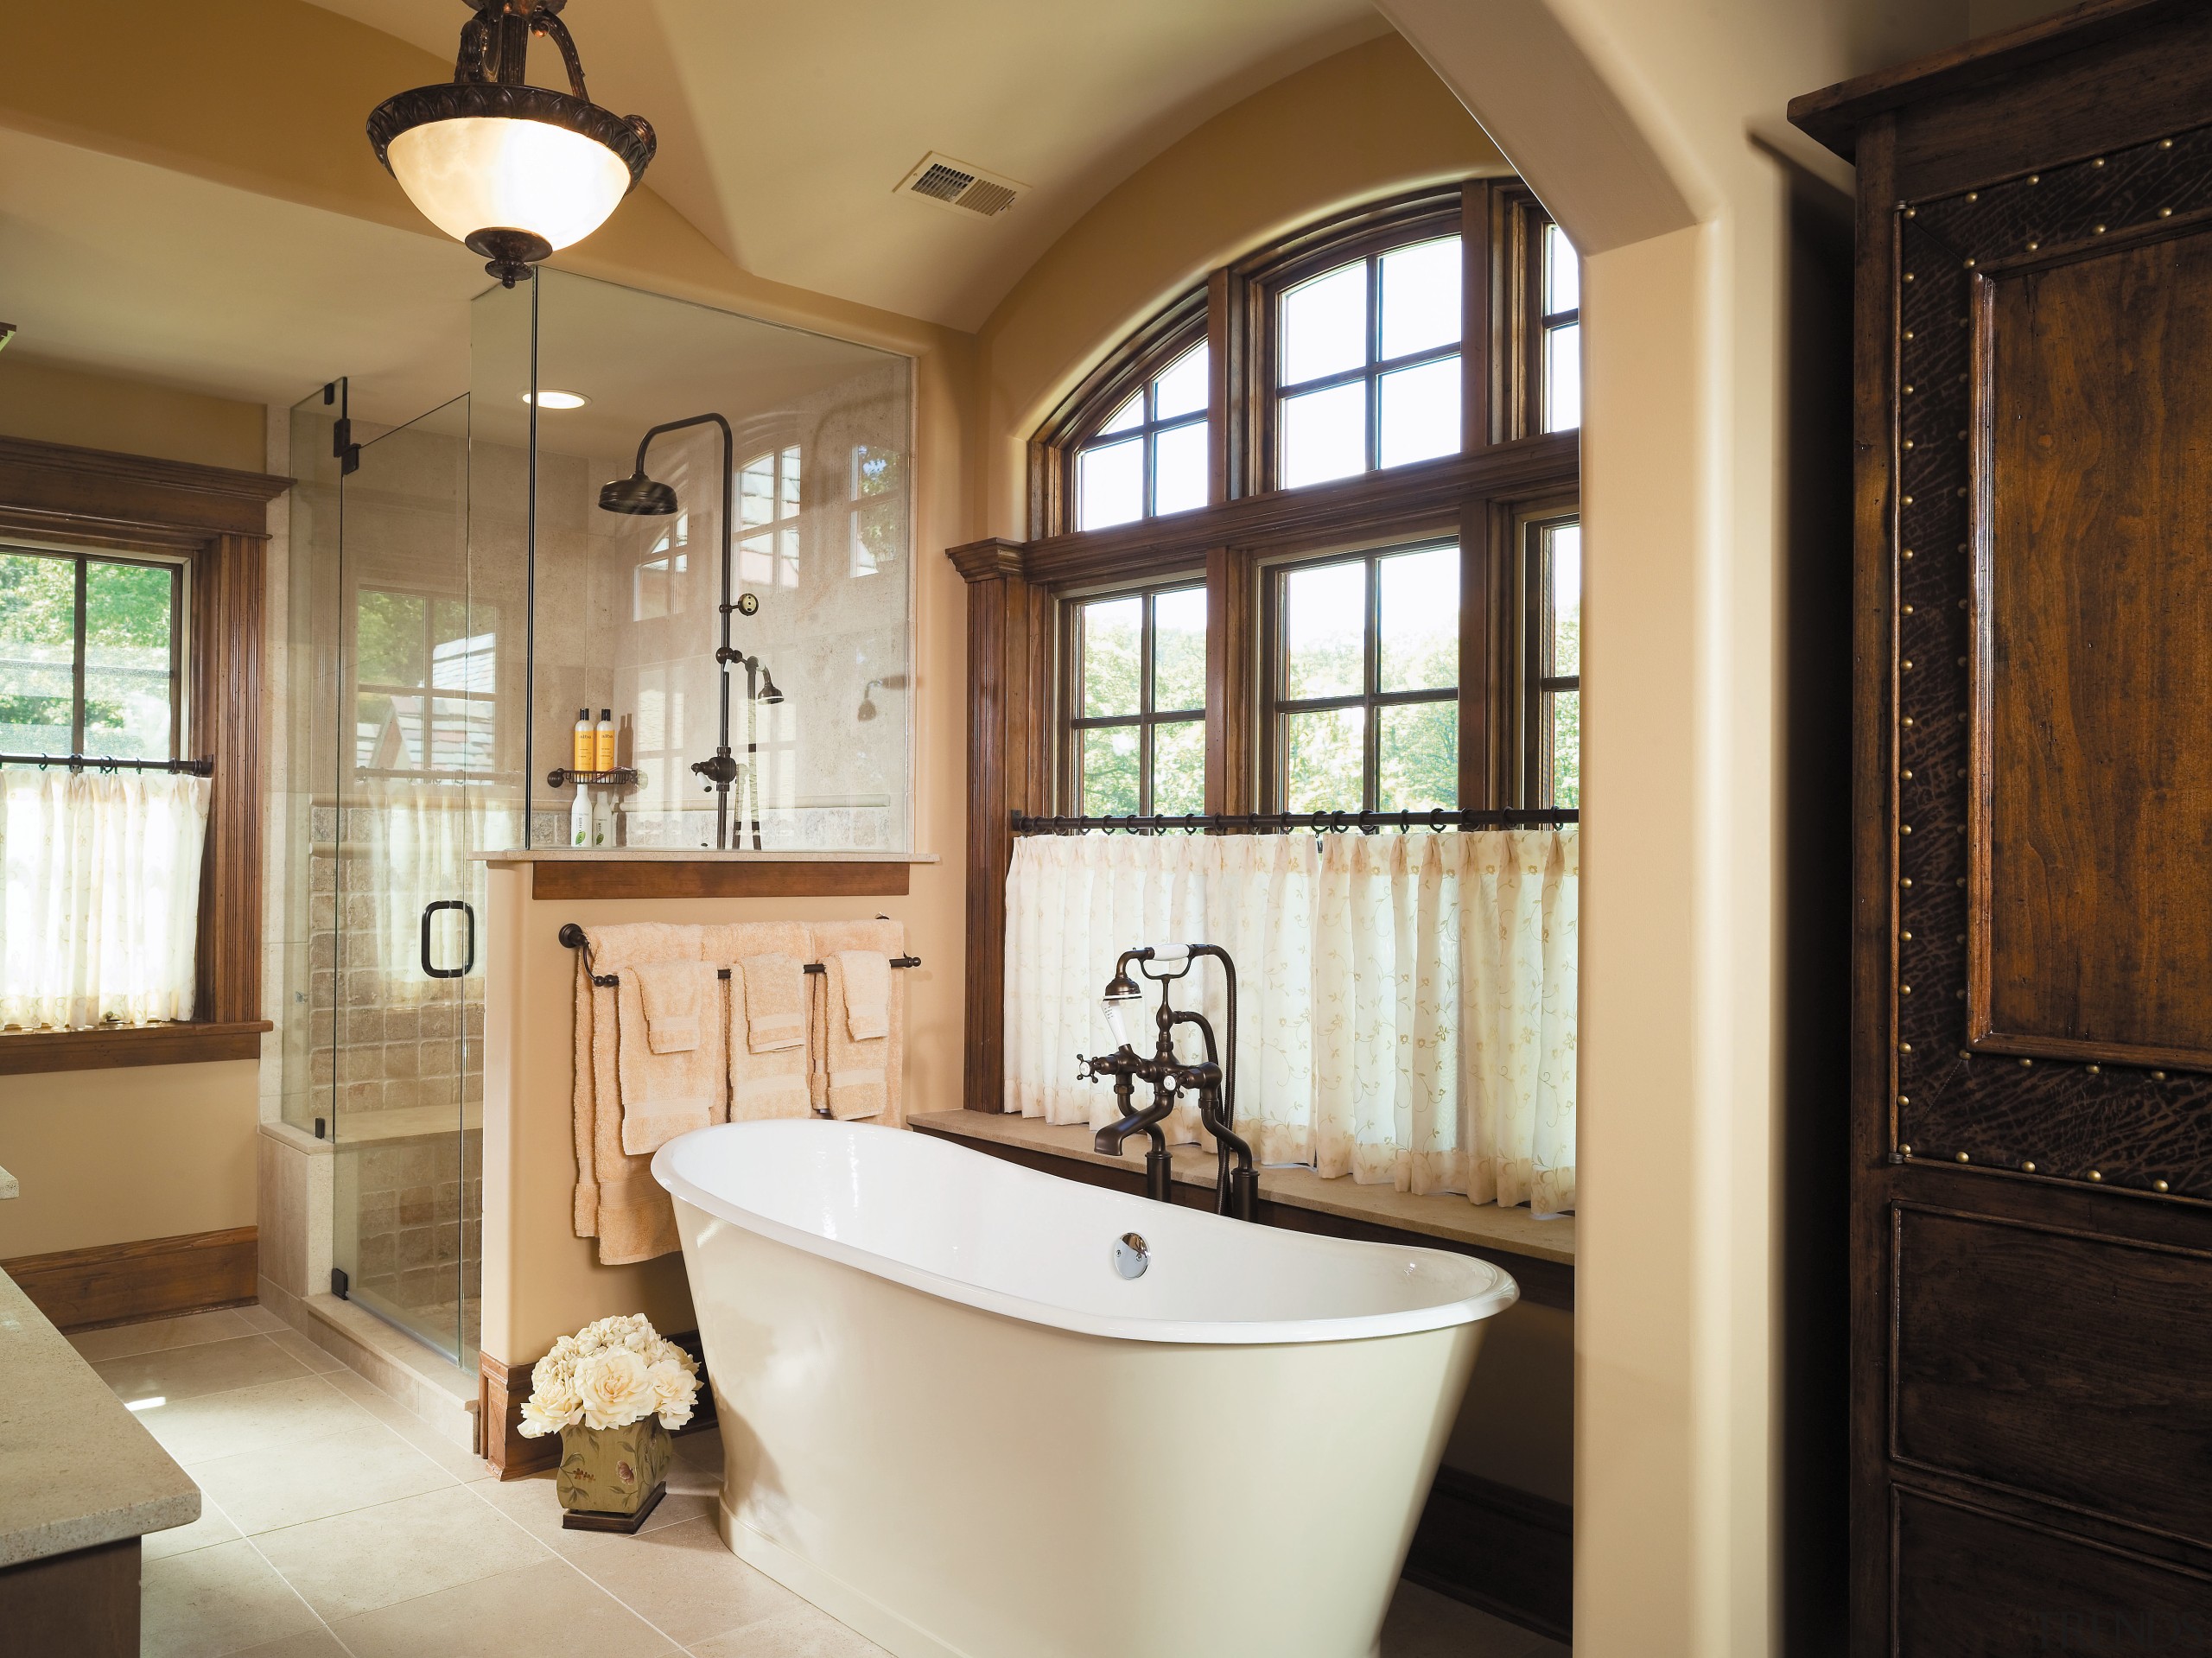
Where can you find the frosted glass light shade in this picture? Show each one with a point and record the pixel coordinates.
(474, 173)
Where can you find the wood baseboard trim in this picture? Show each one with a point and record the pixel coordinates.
(151, 1278)
(1507, 1552)
(501, 1387)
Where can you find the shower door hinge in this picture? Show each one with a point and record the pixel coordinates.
(338, 1282)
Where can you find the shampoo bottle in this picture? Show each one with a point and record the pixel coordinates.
(603, 745)
(587, 743)
(579, 816)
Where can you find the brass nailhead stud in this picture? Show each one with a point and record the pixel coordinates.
(1906, 665)
(1907, 720)
(1904, 1047)
(2157, 1185)
(1962, 1157)
(1912, 213)
(2100, 230)
(1906, 881)
(2027, 1062)
(1904, 829)
(1908, 333)
(1905, 1099)
(1906, 608)
(1963, 662)
(1904, 1151)
(1908, 276)
(2028, 1167)
(1906, 936)
(1907, 776)
(1904, 990)
(1908, 391)
(2035, 178)
(2157, 1077)
(1962, 881)
(2096, 1174)
(1908, 443)
(1907, 553)
(1973, 195)
(2094, 1070)
(2166, 213)
(1907, 501)
(2099, 162)
(2165, 144)
(2032, 246)
(1965, 1053)
(1969, 265)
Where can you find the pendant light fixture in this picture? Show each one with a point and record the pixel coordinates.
(514, 171)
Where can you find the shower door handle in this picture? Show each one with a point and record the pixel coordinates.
(429, 910)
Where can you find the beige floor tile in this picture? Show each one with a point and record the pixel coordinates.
(262, 1318)
(685, 1582)
(805, 1632)
(1423, 1624)
(251, 1419)
(209, 1367)
(353, 1563)
(156, 1335)
(311, 1356)
(213, 1601)
(211, 1528)
(312, 1479)
(540, 1612)
(464, 1465)
(317, 1642)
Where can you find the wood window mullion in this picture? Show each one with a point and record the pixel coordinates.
(77, 661)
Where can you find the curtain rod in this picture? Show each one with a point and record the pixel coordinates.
(199, 768)
(1264, 823)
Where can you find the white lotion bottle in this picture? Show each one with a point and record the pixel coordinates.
(579, 816)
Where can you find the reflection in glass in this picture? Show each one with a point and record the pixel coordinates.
(1181, 387)
(129, 624)
(1563, 733)
(38, 651)
(1179, 649)
(1420, 413)
(1417, 756)
(1110, 485)
(1325, 435)
(1562, 273)
(1179, 468)
(1563, 377)
(1325, 753)
(1110, 771)
(1112, 633)
(1420, 620)
(1324, 325)
(1324, 631)
(1179, 767)
(1420, 297)
(1565, 546)
(1129, 415)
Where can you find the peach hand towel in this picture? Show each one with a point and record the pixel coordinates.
(859, 1077)
(770, 1081)
(770, 1084)
(867, 993)
(617, 1200)
(670, 993)
(775, 1003)
(665, 1094)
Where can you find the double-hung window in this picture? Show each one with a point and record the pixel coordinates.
(1137, 734)
(92, 655)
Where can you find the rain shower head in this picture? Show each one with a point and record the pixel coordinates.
(637, 495)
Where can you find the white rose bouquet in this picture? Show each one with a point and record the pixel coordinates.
(610, 1374)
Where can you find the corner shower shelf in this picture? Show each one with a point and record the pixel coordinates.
(622, 777)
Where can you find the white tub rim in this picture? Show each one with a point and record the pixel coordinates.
(1494, 1292)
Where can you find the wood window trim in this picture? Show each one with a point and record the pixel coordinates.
(217, 519)
(1018, 590)
(1533, 606)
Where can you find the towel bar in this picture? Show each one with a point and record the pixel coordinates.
(572, 936)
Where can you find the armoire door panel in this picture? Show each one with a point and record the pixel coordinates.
(1972, 1584)
(2094, 572)
(2058, 1363)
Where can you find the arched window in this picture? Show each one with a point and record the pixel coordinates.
(1311, 536)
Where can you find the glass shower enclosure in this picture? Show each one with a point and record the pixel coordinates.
(457, 591)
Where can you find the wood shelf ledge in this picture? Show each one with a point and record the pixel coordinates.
(25, 1052)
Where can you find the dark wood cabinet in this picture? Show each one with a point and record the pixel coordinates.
(2031, 1073)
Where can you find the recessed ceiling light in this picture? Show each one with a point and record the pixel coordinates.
(557, 399)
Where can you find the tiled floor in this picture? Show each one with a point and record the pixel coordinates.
(335, 1523)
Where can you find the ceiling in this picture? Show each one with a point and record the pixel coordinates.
(123, 268)
(785, 129)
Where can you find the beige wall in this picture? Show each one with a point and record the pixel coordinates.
(109, 1156)
(540, 1280)
(56, 404)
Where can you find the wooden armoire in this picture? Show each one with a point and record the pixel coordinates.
(2031, 1182)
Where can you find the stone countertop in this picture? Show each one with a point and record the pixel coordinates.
(77, 1469)
(694, 854)
(1443, 1215)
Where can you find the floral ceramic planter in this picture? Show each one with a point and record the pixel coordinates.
(613, 1470)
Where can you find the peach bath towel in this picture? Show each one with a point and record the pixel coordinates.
(617, 1200)
(667, 1093)
(859, 1077)
(766, 974)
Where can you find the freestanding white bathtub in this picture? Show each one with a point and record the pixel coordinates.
(948, 1420)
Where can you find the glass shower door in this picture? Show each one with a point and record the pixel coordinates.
(411, 700)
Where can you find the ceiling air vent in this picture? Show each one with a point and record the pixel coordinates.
(948, 183)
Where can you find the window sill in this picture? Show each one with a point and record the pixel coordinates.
(1539, 1252)
(22, 1053)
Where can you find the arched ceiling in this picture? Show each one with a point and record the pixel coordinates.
(785, 129)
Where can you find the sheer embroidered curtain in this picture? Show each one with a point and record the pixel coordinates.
(1407, 1001)
(100, 921)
